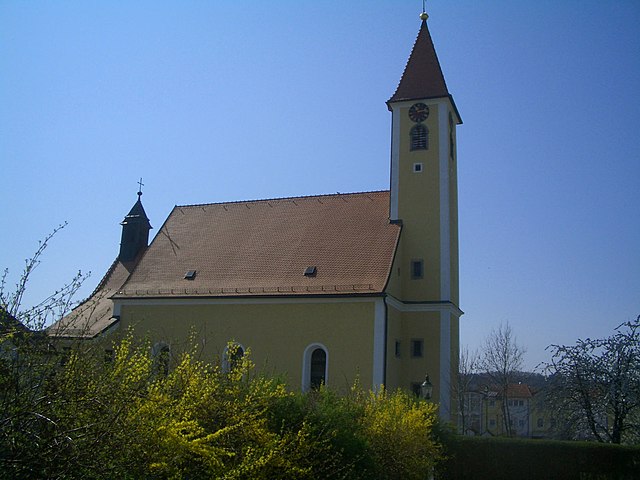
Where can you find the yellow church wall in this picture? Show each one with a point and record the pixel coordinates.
(427, 207)
(395, 283)
(455, 360)
(453, 215)
(404, 369)
(276, 334)
(394, 362)
(419, 207)
(422, 326)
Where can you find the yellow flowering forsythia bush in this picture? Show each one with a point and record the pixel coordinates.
(399, 431)
(126, 418)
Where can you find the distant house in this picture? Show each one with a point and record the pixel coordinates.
(324, 289)
(528, 415)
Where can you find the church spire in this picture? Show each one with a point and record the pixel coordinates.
(422, 77)
(135, 231)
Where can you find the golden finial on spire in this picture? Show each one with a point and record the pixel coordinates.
(423, 15)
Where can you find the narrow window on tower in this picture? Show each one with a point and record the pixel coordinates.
(417, 348)
(451, 142)
(417, 269)
(419, 137)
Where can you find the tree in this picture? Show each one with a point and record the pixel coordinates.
(501, 359)
(29, 364)
(467, 369)
(595, 385)
(51, 308)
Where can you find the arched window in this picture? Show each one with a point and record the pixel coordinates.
(161, 356)
(314, 367)
(419, 137)
(232, 357)
(318, 368)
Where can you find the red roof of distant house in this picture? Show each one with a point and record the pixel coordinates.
(514, 390)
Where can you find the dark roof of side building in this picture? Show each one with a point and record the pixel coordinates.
(9, 323)
(95, 314)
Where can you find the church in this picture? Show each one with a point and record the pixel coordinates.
(321, 289)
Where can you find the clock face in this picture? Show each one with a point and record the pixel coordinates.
(418, 112)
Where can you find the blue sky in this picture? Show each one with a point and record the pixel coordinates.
(236, 100)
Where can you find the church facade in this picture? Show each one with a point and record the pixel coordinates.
(322, 289)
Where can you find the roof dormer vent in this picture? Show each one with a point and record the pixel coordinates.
(311, 271)
(190, 275)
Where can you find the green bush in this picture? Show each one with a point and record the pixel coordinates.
(472, 458)
(126, 419)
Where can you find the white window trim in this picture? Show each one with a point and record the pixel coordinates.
(157, 348)
(306, 365)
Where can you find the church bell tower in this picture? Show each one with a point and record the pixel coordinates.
(424, 201)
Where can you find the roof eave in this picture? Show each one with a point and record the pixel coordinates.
(224, 297)
(409, 99)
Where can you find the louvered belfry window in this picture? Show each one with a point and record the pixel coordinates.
(419, 137)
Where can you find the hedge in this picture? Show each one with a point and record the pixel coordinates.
(472, 458)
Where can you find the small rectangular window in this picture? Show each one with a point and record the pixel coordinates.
(417, 269)
(540, 423)
(417, 348)
(417, 168)
(397, 348)
(492, 422)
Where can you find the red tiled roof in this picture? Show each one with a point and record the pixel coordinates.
(262, 248)
(422, 77)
